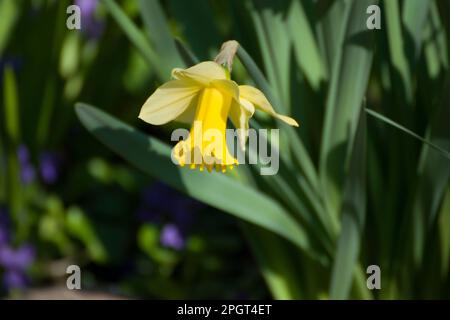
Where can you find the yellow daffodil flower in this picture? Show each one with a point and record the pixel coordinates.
(205, 96)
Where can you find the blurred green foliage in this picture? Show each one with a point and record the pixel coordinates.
(90, 215)
(352, 190)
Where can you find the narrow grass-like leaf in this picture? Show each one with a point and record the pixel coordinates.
(187, 55)
(434, 175)
(414, 16)
(299, 198)
(347, 89)
(159, 33)
(11, 103)
(394, 124)
(396, 49)
(305, 47)
(48, 104)
(301, 154)
(200, 27)
(444, 233)
(353, 217)
(435, 44)
(274, 261)
(13, 137)
(10, 11)
(331, 29)
(270, 26)
(153, 157)
(276, 266)
(136, 36)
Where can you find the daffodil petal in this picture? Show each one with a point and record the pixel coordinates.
(248, 106)
(227, 87)
(202, 73)
(258, 98)
(290, 121)
(169, 101)
(240, 114)
(188, 115)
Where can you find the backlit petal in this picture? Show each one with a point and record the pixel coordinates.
(227, 87)
(258, 98)
(202, 73)
(240, 114)
(248, 106)
(188, 115)
(169, 101)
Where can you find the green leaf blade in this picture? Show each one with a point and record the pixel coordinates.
(353, 213)
(153, 157)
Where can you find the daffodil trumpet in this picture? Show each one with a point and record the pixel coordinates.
(205, 96)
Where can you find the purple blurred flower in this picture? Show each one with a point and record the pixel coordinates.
(4, 227)
(87, 7)
(4, 236)
(15, 279)
(163, 203)
(148, 215)
(27, 171)
(23, 154)
(182, 211)
(15, 262)
(18, 259)
(160, 199)
(171, 237)
(158, 196)
(49, 167)
(90, 25)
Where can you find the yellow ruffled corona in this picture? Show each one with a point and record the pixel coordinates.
(204, 96)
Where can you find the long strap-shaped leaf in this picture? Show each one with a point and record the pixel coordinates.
(348, 86)
(353, 216)
(435, 43)
(11, 122)
(444, 233)
(276, 262)
(414, 16)
(394, 124)
(159, 34)
(216, 189)
(10, 13)
(301, 155)
(136, 37)
(199, 28)
(434, 175)
(271, 29)
(305, 47)
(330, 30)
(396, 49)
